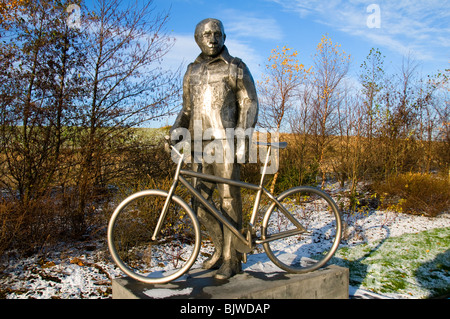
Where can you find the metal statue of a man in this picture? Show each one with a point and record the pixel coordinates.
(218, 94)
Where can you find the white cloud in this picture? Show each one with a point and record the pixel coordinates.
(182, 53)
(247, 25)
(248, 54)
(241, 28)
(418, 27)
(186, 51)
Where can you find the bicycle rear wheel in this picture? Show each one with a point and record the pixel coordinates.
(130, 232)
(297, 251)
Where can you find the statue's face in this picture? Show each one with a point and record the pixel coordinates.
(211, 39)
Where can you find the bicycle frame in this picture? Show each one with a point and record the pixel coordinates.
(179, 177)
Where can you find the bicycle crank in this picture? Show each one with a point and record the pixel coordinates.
(243, 247)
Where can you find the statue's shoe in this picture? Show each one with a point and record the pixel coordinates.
(213, 262)
(228, 270)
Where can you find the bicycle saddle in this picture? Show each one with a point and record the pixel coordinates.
(279, 145)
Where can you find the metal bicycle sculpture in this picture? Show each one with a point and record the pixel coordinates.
(155, 237)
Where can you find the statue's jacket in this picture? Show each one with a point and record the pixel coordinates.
(218, 93)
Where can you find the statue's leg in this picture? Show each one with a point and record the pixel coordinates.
(231, 205)
(212, 225)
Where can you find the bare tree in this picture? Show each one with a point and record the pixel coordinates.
(399, 115)
(442, 110)
(69, 96)
(372, 81)
(434, 118)
(279, 86)
(38, 56)
(126, 84)
(302, 123)
(331, 65)
(278, 90)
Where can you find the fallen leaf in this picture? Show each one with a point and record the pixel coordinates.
(49, 264)
(77, 261)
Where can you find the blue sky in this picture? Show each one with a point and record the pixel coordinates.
(253, 28)
(419, 28)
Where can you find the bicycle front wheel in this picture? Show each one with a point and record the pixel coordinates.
(308, 247)
(130, 232)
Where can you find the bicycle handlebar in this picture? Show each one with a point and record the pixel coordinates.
(176, 151)
(275, 145)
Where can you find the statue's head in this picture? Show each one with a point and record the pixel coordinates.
(210, 36)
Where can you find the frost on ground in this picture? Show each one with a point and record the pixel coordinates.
(390, 255)
(375, 246)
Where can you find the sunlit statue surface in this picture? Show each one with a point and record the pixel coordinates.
(218, 94)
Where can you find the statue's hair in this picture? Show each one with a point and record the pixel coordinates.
(200, 25)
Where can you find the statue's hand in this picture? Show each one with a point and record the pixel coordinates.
(167, 144)
(240, 152)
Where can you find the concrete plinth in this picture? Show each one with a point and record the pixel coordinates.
(330, 282)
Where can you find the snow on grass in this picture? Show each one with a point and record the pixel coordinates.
(391, 254)
(411, 265)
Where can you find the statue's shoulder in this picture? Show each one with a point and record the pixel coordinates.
(188, 72)
(236, 61)
(237, 68)
(189, 67)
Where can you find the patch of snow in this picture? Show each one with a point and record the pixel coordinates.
(73, 272)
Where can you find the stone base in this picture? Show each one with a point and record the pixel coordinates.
(331, 282)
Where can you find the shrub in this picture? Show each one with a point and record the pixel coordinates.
(414, 193)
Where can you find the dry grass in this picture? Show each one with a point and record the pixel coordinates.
(415, 193)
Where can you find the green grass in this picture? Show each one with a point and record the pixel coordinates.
(411, 265)
(152, 134)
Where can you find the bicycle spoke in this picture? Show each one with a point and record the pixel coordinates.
(142, 256)
(301, 251)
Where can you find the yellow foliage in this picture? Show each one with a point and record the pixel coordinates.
(285, 61)
(8, 8)
(326, 47)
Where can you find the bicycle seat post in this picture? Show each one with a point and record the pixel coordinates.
(261, 185)
(263, 174)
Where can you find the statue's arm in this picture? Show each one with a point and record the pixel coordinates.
(248, 108)
(247, 98)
